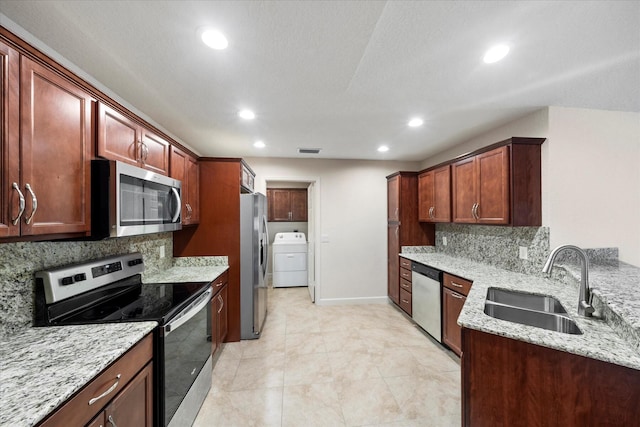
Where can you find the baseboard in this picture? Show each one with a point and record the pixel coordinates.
(352, 301)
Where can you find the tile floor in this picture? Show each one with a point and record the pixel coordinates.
(356, 365)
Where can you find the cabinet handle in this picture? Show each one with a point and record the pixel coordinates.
(113, 423)
(110, 390)
(455, 295)
(220, 283)
(404, 286)
(189, 210)
(474, 211)
(406, 301)
(22, 203)
(396, 214)
(144, 152)
(456, 285)
(221, 303)
(34, 204)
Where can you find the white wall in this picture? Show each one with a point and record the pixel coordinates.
(352, 265)
(594, 180)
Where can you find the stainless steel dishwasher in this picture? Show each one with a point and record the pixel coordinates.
(426, 295)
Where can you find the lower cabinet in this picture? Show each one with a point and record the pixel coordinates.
(219, 310)
(454, 294)
(405, 302)
(122, 395)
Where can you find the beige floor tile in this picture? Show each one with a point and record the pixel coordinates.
(296, 344)
(268, 345)
(247, 408)
(354, 365)
(342, 340)
(367, 401)
(311, 405)
(307, 369)
(260, 372)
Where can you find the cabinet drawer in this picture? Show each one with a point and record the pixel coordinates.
(405, 263)
(457, 284)
(79, 411)
(405, 284)
(405, 274)
(405, 301)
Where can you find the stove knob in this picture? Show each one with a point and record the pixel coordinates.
(80, 277)
(67, 280)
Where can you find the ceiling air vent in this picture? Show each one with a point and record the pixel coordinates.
(309, 150)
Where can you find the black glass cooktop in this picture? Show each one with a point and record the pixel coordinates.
(158, 302)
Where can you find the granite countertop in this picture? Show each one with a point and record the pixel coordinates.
(613, 342)
(187, 269)
(40, 368)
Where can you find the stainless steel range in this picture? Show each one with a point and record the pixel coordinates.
(111, 290)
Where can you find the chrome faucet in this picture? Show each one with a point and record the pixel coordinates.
(584, 303)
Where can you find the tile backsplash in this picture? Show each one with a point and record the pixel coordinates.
(19, 261)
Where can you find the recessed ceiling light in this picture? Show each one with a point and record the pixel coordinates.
(259, 144)
(496, 53)
(247, 114)
(383, 148)
(415, 122)
(214, 38)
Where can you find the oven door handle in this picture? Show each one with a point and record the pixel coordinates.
(189, 313)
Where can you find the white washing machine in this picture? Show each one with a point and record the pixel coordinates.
(289, 260)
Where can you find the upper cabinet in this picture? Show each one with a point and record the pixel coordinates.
(120, 138)
(501, 185)
(46, 150)
(287, 204)
(434, 195)
(186, 169)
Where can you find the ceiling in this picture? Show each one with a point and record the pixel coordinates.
(345, 76)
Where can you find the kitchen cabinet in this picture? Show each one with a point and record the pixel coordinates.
(454, 295)
(121, 395)
(186, 169)
(434, 195)
(403, 227)
(219, 322)
(46, 150)
(218, 233)
(514, 383)
(287, 205)
(121, 138)
(405, 302)
(500, 184)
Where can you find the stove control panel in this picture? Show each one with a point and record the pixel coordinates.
(70, 280)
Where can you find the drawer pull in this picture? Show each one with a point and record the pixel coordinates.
(406, 301)
(220, 283)
(455, 295)
(404, 286)
(110, 390)
(456, 285)
(113, 423)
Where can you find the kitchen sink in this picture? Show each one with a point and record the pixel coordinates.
(540, 311)
(536, 302)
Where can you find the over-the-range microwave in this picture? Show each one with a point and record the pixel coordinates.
(127, 200)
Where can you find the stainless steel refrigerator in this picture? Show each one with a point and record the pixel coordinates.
(254, 248)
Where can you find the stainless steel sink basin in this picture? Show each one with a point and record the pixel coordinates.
(536, 302)
(540, 319)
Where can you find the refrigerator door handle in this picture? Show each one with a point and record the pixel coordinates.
(265, 247)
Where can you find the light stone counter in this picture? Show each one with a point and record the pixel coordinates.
(40, 368)
(189, 269)
(599, 340)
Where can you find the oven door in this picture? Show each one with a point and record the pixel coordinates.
(185, 363)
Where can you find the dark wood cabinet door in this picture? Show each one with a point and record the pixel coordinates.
(281, 205)
(298, 205)
(452, 303)
(426, 200)
(442, 194)
(193, 191)
(57, 119)
(492, 170)
(393, 198)
(118, 136)
(464, 190)
(9, 141)
(133, 407)
(393, 262)
(154, 154)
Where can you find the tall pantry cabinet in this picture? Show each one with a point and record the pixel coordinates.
(403, 227)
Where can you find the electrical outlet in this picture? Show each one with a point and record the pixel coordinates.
(444, 241)
(523, 252)
(161, 251)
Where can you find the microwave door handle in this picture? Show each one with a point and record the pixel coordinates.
(203, 300)
(178, 204)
